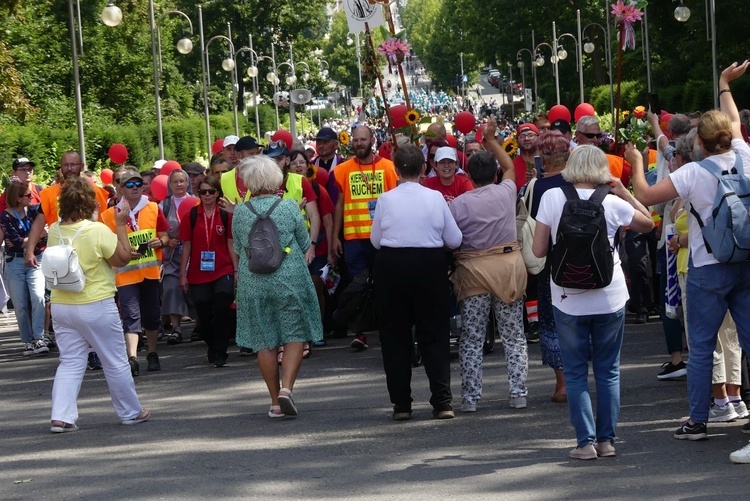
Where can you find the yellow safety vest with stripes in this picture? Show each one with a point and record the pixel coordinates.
(361, 185)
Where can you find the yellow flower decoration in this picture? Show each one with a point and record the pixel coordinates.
(412, 117)
(510, 145)
(624, 115)
(344, 138)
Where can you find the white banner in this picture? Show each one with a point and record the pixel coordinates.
(359, 12)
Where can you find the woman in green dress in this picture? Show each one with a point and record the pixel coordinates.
(279, 309)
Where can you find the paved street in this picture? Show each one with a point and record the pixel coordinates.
(210, 437)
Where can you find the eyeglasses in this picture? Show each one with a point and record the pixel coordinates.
(133, 184)
(591, 135)
(273, 145)
(530, 135)
(27, 195)
(25, 169)
(209, 191)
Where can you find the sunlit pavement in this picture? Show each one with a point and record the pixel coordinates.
(210, 437)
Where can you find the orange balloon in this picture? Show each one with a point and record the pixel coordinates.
(106, 176)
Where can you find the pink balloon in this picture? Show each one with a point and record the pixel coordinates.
(452, 142)
(106, 176)
(465, 122)
(284, 135)
(217, 146)
(168, 167)
(584, 110)
(557, 112)
(398, 116)
(159, 187)
(118, 153)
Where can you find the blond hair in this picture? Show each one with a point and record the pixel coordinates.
(715, 131)
(587, 164)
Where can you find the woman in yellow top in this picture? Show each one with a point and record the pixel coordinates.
(90, 317)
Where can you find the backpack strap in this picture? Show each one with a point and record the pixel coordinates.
(166, 206)
(268, 212)
(600, 193)
(570, 192)
(70, 240)
(193, 216)
(224, 217)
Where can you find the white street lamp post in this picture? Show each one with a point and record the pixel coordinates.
(539, 61)
(227, 65)
(589, 48)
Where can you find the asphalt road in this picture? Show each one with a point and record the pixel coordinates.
(210, 437)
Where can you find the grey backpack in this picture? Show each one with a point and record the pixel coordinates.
(264, 252)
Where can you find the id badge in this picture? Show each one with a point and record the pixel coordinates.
(371, 207)
(208, 260)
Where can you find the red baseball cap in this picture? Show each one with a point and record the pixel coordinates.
(527, 127)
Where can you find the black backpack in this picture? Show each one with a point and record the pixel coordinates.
(264, 252)
(582, 256)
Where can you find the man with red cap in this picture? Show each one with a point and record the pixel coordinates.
(526, 135)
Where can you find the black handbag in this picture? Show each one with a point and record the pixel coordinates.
(357, 309)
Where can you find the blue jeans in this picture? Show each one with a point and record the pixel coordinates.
(26, 289)
(710, 291)
(606, 334)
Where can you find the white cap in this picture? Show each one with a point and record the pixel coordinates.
(159, 164)
(230, 140)
(445, 152)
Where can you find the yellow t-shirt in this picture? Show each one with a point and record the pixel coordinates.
(681, 227)
(94, 244)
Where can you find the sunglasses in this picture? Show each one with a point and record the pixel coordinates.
(209, 191)
(277, 145)
(27, 195)
(133, 184)
(592, 135)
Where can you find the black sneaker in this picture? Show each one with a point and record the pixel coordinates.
(135, 368)
(694, 431)
(246, 352)
(94, 364)
(640, 318)
(672, 371)
(532, 335)
(153, 362)
(401, 413)
(746, 428)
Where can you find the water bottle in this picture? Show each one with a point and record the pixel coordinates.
(672, 294)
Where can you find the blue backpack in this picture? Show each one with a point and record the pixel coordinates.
(727, 233)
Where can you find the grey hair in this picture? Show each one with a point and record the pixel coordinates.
(692, 139)
(587, 164)
(679, 124)
(586, 121)
(260, 174)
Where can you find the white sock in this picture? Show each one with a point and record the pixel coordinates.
(721, 402)
(734, 398)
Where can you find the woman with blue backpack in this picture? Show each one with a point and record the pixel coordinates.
(719, 240)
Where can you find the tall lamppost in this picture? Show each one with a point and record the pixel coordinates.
(111, 16)
(227, 64)
(522, 65)
(589, 47)
(539, 61)
(305, 77)
(270, 78)
(349, 41)
(184, 46)
(252, 72)
(562, 54)
(682, 14)
(323, 75)
(291, 80)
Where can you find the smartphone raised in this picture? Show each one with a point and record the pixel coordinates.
(143, 248)
(539, 166)
(653, 103)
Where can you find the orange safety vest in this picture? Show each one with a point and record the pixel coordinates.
(361, 185)
(50, 195)
(149, 265)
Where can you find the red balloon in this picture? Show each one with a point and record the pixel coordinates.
(168, 167)
(398, 116)
(558, 111)
(159, 187)
(118, 153)
(283, 135)
(465, 122)
(584, 110)
(106, 176)
(479, 136)
(451, 140)
(217, 146)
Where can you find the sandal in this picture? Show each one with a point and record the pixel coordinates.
(286, 403)
(280, 356)
(140, 418)
(275, 412)
(174, 337)
(306, 350)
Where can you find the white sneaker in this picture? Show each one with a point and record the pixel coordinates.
(741, 409)
(741, 456)
(468, 407)
(28, 349)
(719, 414)
(40, 347)
(518, 402)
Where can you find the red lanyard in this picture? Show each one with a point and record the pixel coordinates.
(209, 223)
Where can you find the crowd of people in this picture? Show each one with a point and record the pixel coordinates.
(244, 246)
